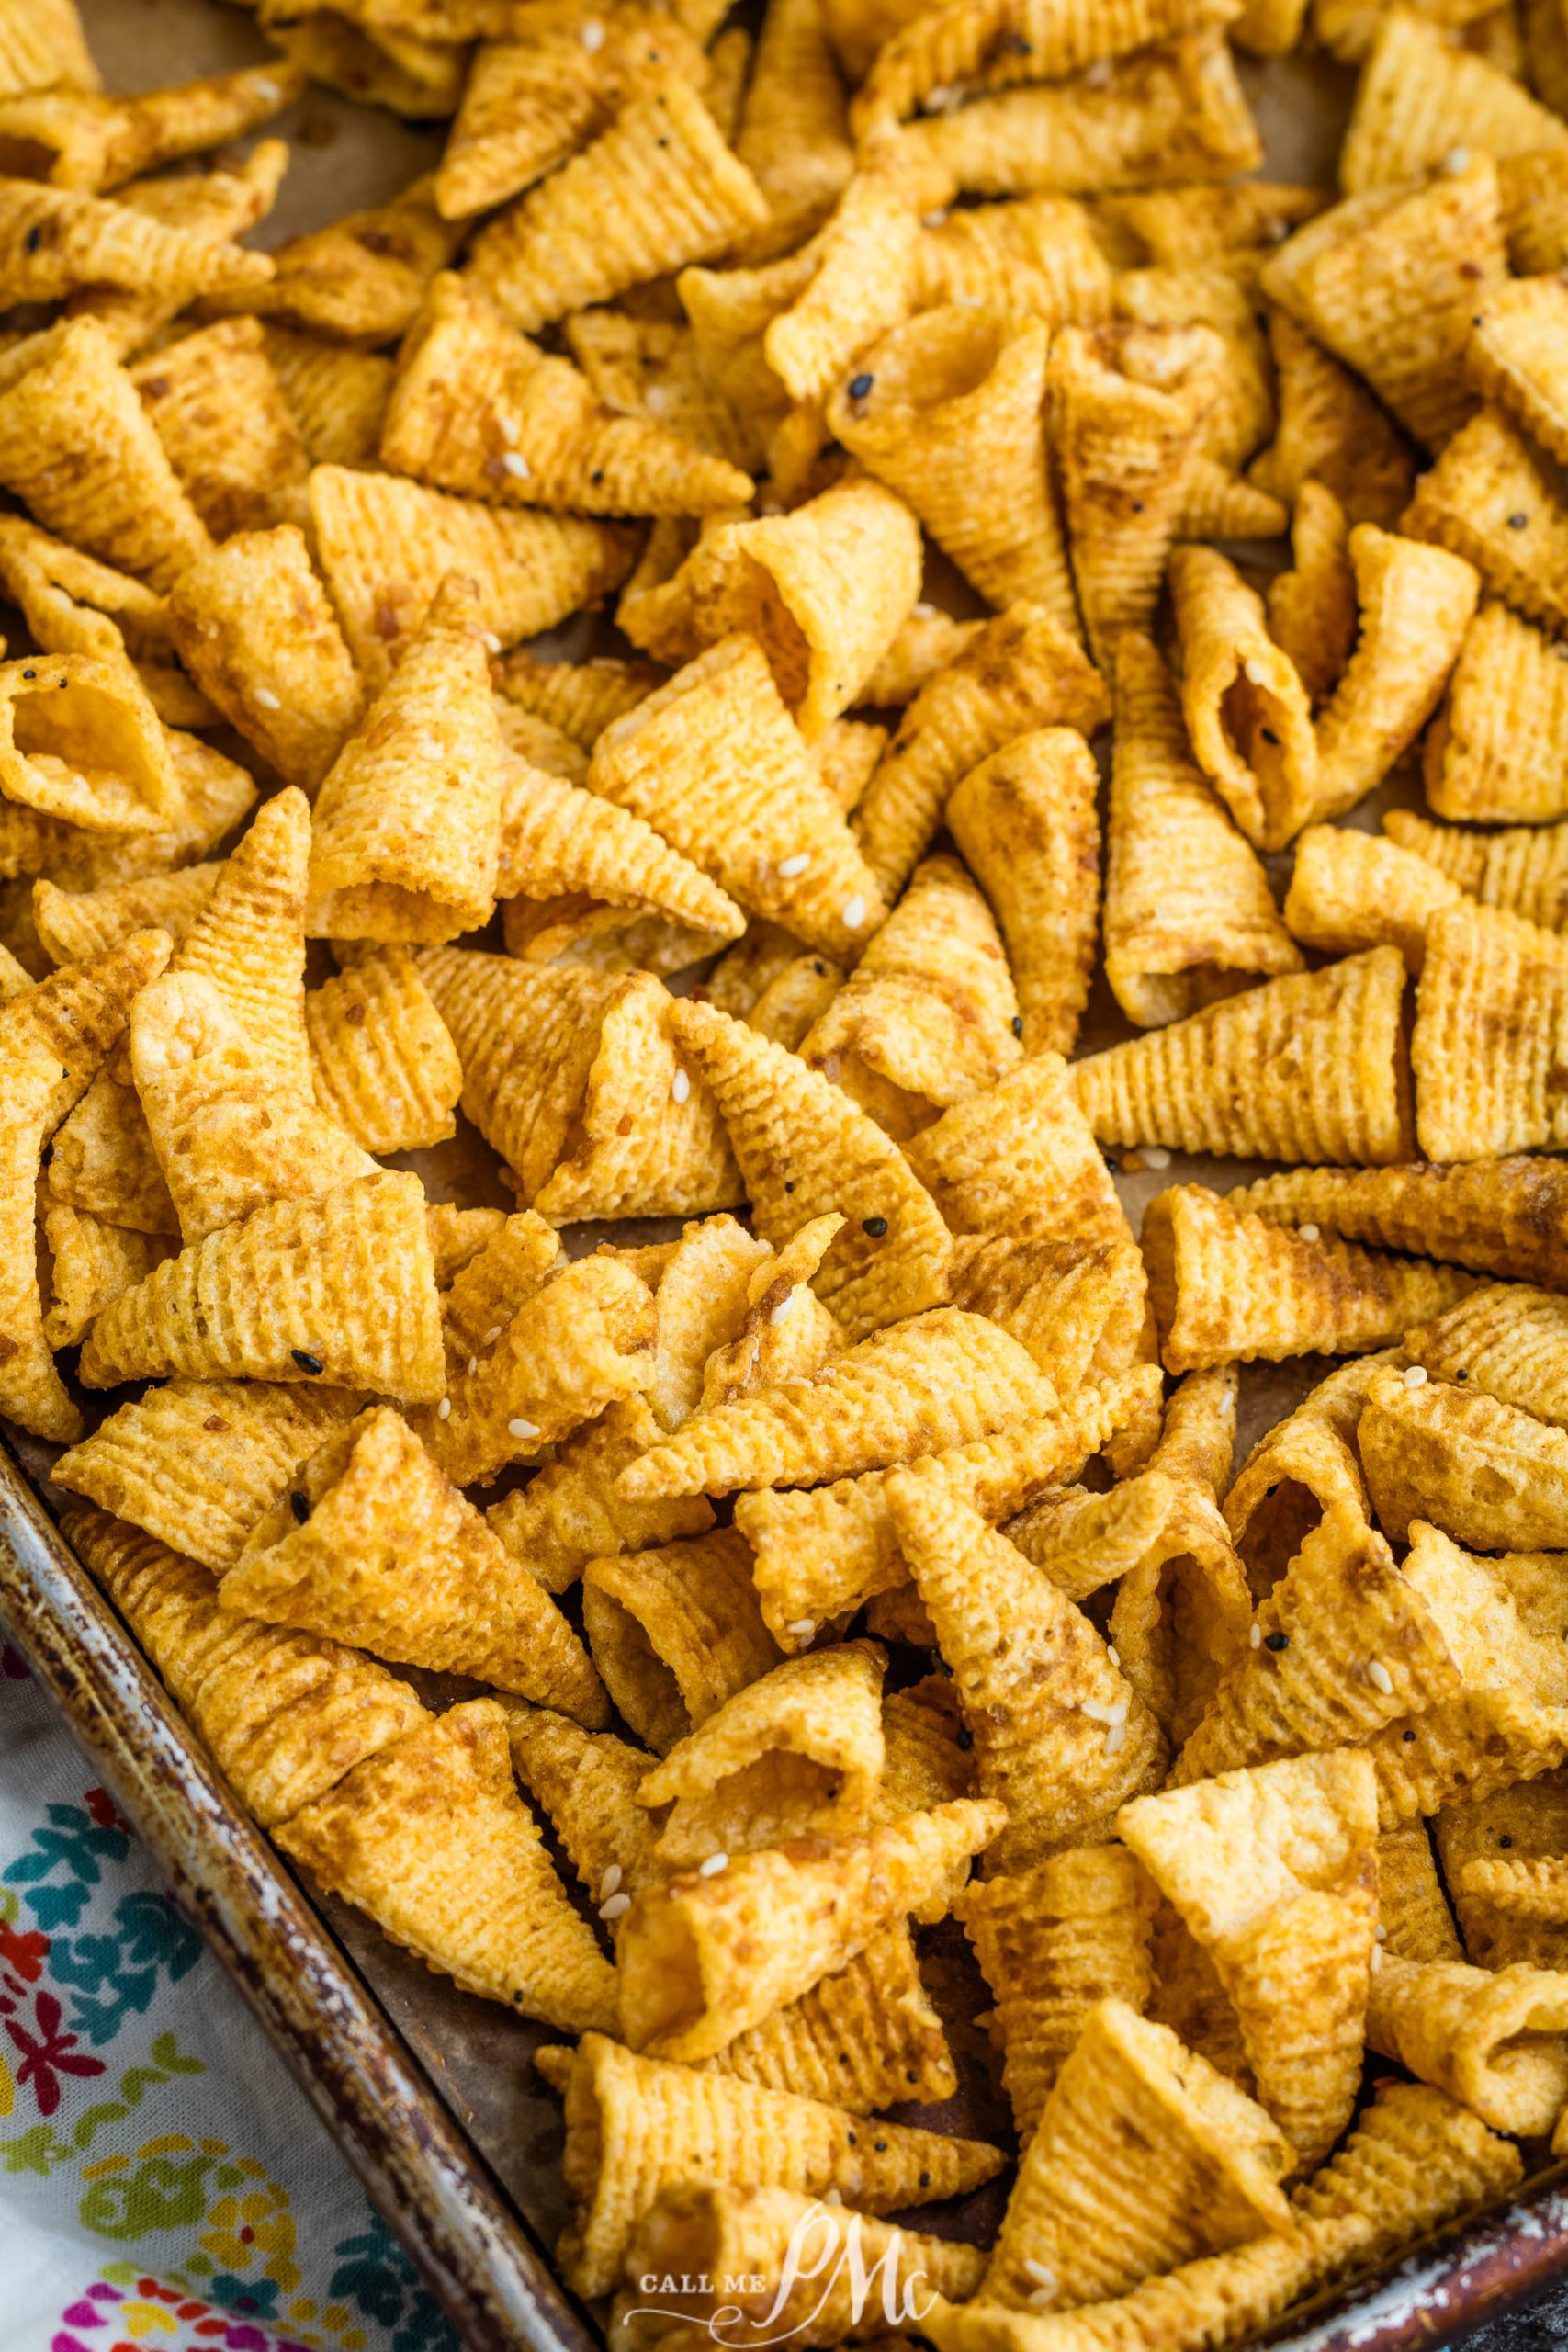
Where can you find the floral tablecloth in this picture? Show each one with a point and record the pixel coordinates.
(164, 2187)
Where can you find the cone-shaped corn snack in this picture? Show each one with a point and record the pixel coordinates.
(53, 1040)
(1230, 1286)
(1308, 1066)
(574, 1511)
(1491, 1640)
(656, 190)
(926, 641)
(805, 1150)
(1302, 1470)
(72, 925)
(586, 1782)
(407, 826)
(229, 1136)
(938, 1380)
(1247, 713)
(477, 408)
(863, 279)
(73, 603)
(1493, 975)
(634, 2124)
(1465, 1749)
(583, 1339)
(798, 1753)
(1484, 1472)
(928, 1017)
(386, 1550)
(1486, 475)
(421, 79)
(1173, 226)
(1391, 281)
(1497, 749)
(431, 1838)
(1421, 96)
(252, 625)
(1498, 2043)
(89, 1264)
(1413, 1911)
(211, 796)
(1019, 673)
(1144, 2155)
(675, 1632)
(1027, 822)
(197, 1462)
(1274, 1870)
(56, 243)
(580, 697)
(715, 765)
(1127, 405)
(712, 1953)
(384, 1066)
(1523, 869)
(793, 137)
(1507, 1341)
(484, 1295)
(285, 1714)
(1349, 890)
(784, 1331)
(75, 139)
(1211, 294)
(701, 1293)
(1189, 915)
(651, 368)
(228, 429)
(1516, 357)
(80, 741)
(823, 1551)
(822, 588)
(384, 546)
(1332, 431)
(1340, 1608)
(1020, 1162)
(44, 49)
(1173, 110)
(1501, 1856)
(362, 278)
(696, 2237)
(1059, 1735)
(1502, 1217)
(78, 448)
(340, 1288)
(1414, 2160)
(1311, 608)
(940, 387)
(1052, 1941)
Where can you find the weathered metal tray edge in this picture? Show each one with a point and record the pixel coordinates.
(423, 2173)
(419, 2169)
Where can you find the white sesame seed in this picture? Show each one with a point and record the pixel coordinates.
(610, 1881)
(1457, 160)
(927, 613)
(508, 427)
(1116, 1739)
(593, 35)
(1256, 1637)
(832, 2197)
(521, 1429)
(780, 1313)
(443, 1410)
(617, 1907)
(267, 698)
(473, 1366)
(1097, 1712)
(491, 1336)
(1254, 673)
(932, 220)
(1098, 74)
(1380, 1678)
(680, 1086)
(656, 399)
(490, 643)
(1155, 1156)
(803, 1628)
(1310, 1232)
(1416, 1376)
(714, 1865)
(1380, 1933)
(855, 913)
(1038, 2275)
(1113, 1653)
(267, 89)
(790, 866)
(1377, 1958)
(517, 465)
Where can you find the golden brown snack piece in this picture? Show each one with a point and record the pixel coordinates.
(89, 1264)
(1485, 1473)
(80, 741)
(1305, 1684)
(1413, 1913)
(1126, 405)
(1506, 1340)
(1019, 672)
(509, 1269)
(285, 1714)
(1464, 1750)
(1309, 1067)
(1311, 608)
(1500, 1217)
(1274, 1870)
(252, 625)
(928, 1016)
(1248, 717)
(862, 275)
(1144, 2154)
(44, 49)
(656, 190)
(1060, 1736)
(1414, 2160)
(784, 1331)
(1026, 820)
(1494, 975)
(382, 1062)
(633, 2125)
(385, 1549)
(1349, 890)
(922, 403)
(230, 433)
(1390, 280)
(340, 1288)
(675, 1632)
(580, 697)
(1522, 868)
(1052, 1941)
(1497, 2042)
(1491, 1638)
(696, 1966)
(1332, 431)
(1421, 96)
(793, 135)
(1303, 1469)
(431, 1838)
(926, 641)
(586, 1782)
(1495, 750)
(338, 395)
(573, 1511)
(1228, 1286)
(362, 278)
(1021, 1163)
(1486, 475)
(72, 925)
(1514, 357)
(57, 242)
(1189, 915)
(385, 545)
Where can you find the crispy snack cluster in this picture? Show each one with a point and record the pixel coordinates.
(748, 1441)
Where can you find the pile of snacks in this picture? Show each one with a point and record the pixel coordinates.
(860, 1548)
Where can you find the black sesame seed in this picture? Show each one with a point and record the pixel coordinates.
(851, 2138)
(820, 970)
(299, 1506)
(1018, 1025)
(1519, 522)
(1111, 1166)
(860, 386)
(789, 1184)
(29, 673)
(1504, 1841)
(1276, 1642)
(875, 1225)
(879, 2148)
(1137, 505)
(306, 1361)
(1461, 1376)
(63, 684)
(911, 2076)
(925, 2176)
(34, 239)
(1269, 735)
(597, 475)
(1407, 1736)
